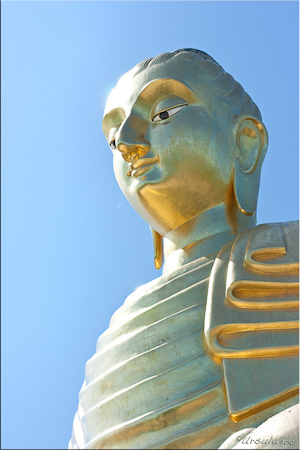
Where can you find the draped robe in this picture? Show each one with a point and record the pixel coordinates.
(199, 353)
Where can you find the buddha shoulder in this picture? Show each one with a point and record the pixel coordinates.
(251, 321)
(259, 269)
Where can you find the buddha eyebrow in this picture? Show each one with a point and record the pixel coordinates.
(166, 86)
(112, 119)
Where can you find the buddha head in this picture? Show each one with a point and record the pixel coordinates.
(185, 137)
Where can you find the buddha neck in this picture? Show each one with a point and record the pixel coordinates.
(203, 235)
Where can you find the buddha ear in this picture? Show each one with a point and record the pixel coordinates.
(251, 140)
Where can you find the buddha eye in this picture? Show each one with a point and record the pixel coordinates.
(113, 145)
(167, 113)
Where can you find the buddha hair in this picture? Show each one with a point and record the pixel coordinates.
(229, 89)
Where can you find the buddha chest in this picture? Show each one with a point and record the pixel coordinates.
(153, 382)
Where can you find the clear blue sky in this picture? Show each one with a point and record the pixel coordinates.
(72, 248)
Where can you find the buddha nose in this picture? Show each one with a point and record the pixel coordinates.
(131, 141)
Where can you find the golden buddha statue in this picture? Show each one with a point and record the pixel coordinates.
(209, 349)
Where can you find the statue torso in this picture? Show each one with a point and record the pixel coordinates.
(152, 382)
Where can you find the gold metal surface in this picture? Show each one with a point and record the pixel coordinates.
(248, 294)
(211, 346)
(158, 249)
(185, 172)
(244, 414)
(257, 260)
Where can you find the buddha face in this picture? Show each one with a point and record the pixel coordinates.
(172, 141)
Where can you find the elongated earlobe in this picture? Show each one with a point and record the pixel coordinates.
(246, 187)
(158, 248)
